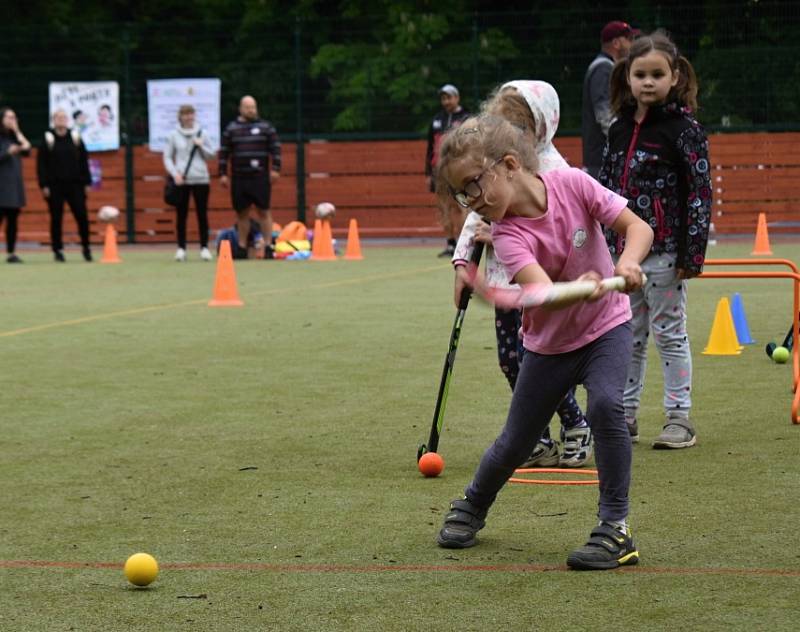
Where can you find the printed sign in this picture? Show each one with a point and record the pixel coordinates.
(93, 108)
(166, 96)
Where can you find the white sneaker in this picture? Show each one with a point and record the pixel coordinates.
(205, 254)
(577, 444)
(545, 454)
(180, 254)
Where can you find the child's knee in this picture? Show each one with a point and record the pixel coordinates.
(606, 411)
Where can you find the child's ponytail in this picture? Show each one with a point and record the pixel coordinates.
(685, 91)
(620, 92)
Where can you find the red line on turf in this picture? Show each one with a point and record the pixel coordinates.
(402, 568)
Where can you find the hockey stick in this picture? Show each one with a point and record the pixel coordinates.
(540, 294)
(447, 371)
(788, 342)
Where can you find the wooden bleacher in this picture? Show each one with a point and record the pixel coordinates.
(753, 173)
(382, 185)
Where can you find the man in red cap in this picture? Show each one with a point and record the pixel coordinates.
(616, 39)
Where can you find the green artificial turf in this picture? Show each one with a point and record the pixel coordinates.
(265, 455)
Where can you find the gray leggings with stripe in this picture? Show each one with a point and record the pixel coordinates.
(601, 366)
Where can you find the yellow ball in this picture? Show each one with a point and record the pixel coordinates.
(141, 569)
(780, 355)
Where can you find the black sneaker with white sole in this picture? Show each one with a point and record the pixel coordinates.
(461, 524)
(607, 548)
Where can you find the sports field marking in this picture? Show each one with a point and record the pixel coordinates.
(203, 301)
(404, 568)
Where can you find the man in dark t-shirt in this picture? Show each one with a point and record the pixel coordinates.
(253, 148)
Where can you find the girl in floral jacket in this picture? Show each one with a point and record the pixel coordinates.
(657, 157)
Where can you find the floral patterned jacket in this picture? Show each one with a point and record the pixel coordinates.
(661, 166)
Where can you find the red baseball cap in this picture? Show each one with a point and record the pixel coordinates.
(617, 29)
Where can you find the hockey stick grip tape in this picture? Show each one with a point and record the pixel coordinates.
(569, 291)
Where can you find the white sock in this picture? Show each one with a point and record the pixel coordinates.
(619, 525)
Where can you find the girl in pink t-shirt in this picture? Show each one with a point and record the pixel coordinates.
(547, 228)
(534, 107)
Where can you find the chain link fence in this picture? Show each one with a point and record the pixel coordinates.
(376, 76)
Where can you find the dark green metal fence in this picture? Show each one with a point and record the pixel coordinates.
(745, 54)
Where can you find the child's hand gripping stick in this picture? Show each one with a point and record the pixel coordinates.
(538, 295)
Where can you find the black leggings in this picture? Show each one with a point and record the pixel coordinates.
(602, 367)
(73, 194)
(200, 194)
(10, 215)
(507, 324)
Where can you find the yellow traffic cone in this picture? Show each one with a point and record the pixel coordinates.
(722, 340)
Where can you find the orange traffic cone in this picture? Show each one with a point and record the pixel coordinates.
(110, 253)
(722, 340)
(226, 293)
(322, 248)
(317, 241)
(353, 251)
(761, 246)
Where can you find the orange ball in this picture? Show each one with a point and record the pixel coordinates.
(431, 464)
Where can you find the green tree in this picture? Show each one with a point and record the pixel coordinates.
(399, 57)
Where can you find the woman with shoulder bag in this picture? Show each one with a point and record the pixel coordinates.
(185, 158)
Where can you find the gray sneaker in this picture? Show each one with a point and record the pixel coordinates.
(678, 432)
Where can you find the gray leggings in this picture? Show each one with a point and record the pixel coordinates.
(660, 307)
(601, 366)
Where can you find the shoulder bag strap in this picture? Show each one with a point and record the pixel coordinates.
(191, 157)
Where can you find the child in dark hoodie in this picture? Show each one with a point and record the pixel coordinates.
(657, 158)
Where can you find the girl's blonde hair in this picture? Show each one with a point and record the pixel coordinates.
(509, 104)
(487, 139)
(684, 92)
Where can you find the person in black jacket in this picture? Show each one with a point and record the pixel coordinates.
(63, 170)
(451, 115)
(13, 144)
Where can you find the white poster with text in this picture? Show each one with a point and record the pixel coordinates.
(93, 108)
(166, 96)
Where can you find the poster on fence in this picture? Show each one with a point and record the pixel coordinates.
(93, 107)
(166, 96)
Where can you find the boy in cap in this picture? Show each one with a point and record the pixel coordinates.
(451, 115)
(616, 39)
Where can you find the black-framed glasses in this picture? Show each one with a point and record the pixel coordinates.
(472, 190)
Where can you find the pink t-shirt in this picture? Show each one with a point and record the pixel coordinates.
(566, 241)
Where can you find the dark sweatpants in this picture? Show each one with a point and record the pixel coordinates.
(200, 193)
(73, 194)
(507, 323)
(602, 367)
(10, 215)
